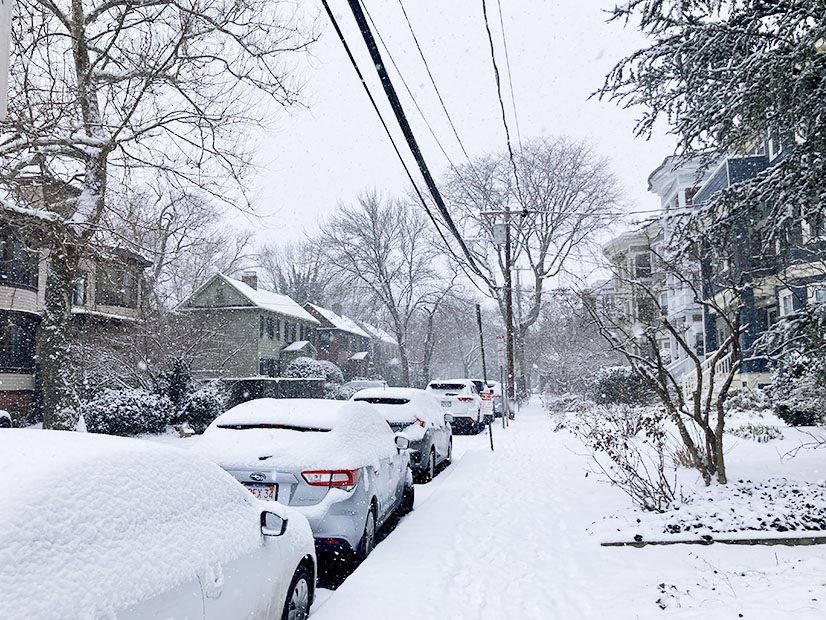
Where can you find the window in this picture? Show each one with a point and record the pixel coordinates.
(642, 265)
(219, 294)
(324, 340)
(699, 345)
(117, 287)
(270, 328)
(79, 290)
(17, 342)
(277, 328)
(292, 332)
(287, 327)
(786, 304)
(819, 295)
(18, 263)
(267, 367)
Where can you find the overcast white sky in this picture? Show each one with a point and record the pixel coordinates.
(559, 51)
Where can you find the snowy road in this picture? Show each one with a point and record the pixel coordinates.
(505, 534)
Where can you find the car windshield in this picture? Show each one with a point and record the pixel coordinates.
(286, 427)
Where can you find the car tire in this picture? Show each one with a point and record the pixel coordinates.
(408, 498)
(299, 595)
(429, 473)
(368, 537)
(449, 457)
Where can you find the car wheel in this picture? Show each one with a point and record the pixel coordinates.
(430, 472)
(368, 538)
(408, 498)
(297, 605)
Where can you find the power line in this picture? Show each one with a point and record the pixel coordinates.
(501, 103)
(433, 82)
(409, 91)
(393, 98)
(398, 152)
(510, 75)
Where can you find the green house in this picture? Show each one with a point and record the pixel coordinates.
(240, 330)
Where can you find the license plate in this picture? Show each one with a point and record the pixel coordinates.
(447, 403)
(268, 492)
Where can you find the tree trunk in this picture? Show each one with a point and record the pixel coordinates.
(429, 345)
(60, 410)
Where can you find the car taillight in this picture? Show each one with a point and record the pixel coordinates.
(344, 479)
(419, 422)
(466, 399)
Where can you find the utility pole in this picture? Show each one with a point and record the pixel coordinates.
(485, 374)
(509, 370)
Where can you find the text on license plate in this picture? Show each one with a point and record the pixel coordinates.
(446, 403)
(263, 491)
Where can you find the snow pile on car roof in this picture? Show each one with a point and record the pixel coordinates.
(315, 433)
(92, 524)
(420, 404)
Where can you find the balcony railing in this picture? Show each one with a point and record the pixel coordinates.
(721, 369)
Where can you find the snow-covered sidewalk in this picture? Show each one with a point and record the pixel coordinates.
(506, 534)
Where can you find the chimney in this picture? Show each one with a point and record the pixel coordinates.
(250, 278)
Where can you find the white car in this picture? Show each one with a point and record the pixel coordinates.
(338, 462)
(93, 526)
(419, 416)
(459, 398)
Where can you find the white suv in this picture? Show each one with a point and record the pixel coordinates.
(460, 399)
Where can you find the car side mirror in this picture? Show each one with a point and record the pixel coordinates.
(402, 442)
(448, 418)
(272, 524)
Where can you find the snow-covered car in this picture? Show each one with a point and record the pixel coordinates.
(337, 462)
(459, 398)
(495, 389)
(93, 526)
(419, 416)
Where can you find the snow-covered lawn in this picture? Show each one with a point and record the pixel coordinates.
(511, 534)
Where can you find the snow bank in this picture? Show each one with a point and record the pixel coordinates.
(349, 435)
(92, 524)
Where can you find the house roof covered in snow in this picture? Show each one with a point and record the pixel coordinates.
(298, 345)
(361, 355)
(339, 321)
(257, 298)
(377, 333)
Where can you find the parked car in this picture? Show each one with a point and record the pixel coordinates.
(496, 396)
(337, 462)
(131, 529)
(419, 416)
(459, 398)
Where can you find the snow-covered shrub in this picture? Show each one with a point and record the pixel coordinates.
(619, 385)
(332, 373)
(308, 368)
(130, 411)
(748, 399)
(345, 392)
(5, 419)
(761, 433)
(304, 368)
(635, 443)
(203, 406)
(798, 389)
(176, 384)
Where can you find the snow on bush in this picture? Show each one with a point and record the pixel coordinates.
(5, 419)
(774, 505)
(619, 385)
(203, 406)
(798, 392)
(308, 368)
(761, 433)
(130, 411)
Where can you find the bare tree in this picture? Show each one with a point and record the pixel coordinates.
(562, 195)
(107, 94)
(719, 283)
(300, 270)
(383, 250)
